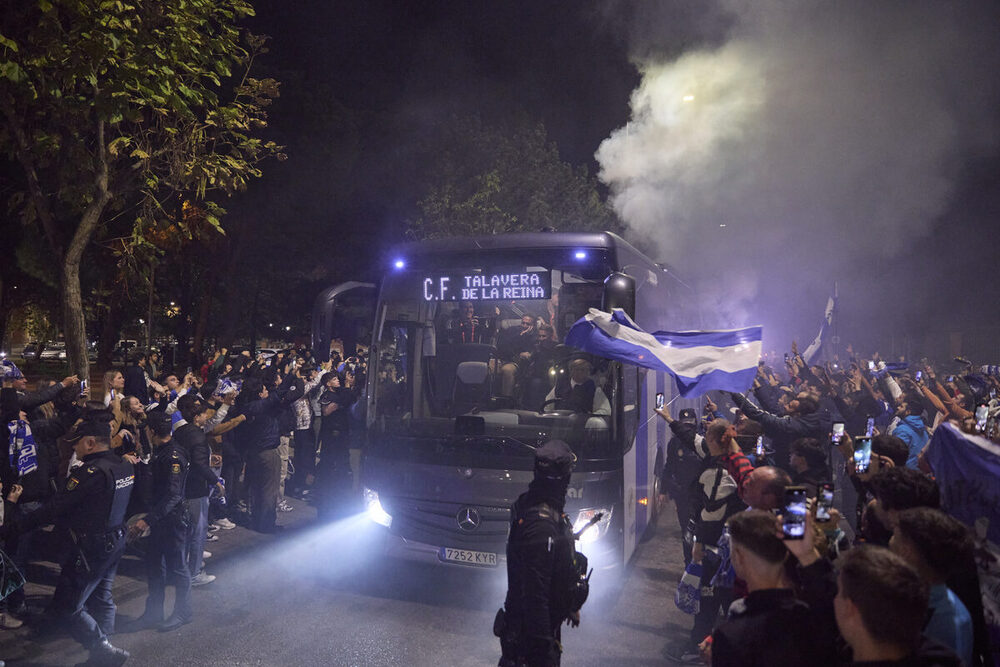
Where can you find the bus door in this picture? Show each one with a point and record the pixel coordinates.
(343, 316)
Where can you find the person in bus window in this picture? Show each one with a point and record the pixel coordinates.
(467, 327)
(515, 346)
(579, 392)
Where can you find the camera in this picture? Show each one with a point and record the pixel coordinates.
(793, 519)
(837, 433)
(862, 455)
(824, 501)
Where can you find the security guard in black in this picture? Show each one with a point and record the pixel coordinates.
(91, 507)
(540, 566)
(168, 523)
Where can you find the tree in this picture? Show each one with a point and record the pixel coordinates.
(126, 108)
(507, 177)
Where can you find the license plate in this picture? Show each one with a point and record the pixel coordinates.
(466, 557)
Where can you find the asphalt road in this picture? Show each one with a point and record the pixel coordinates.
(319, 595)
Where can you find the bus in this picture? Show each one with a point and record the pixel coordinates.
(455, 402)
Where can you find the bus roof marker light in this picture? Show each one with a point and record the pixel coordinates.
(399, 264)
(580, 254)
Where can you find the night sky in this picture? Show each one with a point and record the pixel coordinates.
(849, 142)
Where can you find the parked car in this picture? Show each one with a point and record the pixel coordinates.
(54, 352)
(30, 351)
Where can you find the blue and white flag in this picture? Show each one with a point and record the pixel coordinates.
(812, 352)
(967, 468)
(699, 361)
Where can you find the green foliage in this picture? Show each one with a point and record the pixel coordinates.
(149, 76)
(495, 179)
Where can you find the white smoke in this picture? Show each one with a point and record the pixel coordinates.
(819, 134)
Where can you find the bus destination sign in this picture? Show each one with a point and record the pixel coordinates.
(487, 286)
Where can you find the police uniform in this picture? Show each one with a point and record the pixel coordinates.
(543, 578)
(168, 524)
(92, 507)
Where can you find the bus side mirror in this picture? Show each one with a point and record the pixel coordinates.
(619, 292)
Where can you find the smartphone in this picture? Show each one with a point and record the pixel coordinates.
(659, 401)
(786, 357)
(758, 449)
(793, 520)
(824, 501)
(862, 455)
(870, 427)
(982, 415)
(950, 378)
(837, 433)
(188, 370)
(83, 386)
(920, 376)
(871, 365)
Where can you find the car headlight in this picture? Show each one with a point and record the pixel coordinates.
(374, 508)
(596, 530)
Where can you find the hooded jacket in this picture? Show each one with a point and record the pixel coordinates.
(913, 431)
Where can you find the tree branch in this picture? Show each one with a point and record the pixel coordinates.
(38, 197)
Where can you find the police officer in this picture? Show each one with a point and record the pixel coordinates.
(545, 586)
(92, 508)
(167, 522)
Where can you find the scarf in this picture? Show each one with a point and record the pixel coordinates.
(22, 451)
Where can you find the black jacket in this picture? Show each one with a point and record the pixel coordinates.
(784, 430)
(94, 499)
(169, 467)
(767, 628)
(928, 654)
(194, 442)
(539, 571)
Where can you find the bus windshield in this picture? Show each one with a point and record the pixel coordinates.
(468, 365)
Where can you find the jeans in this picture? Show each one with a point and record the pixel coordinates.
(198, 511)
(83, 593)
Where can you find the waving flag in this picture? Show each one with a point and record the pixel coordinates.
(812, 352)
(699, 361)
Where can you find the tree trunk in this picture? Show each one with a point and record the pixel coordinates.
(204, 307)
(74, 326)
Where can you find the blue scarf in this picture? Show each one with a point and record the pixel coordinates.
(22, 451)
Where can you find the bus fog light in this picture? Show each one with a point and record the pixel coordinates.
(374, 508)
(593, 531)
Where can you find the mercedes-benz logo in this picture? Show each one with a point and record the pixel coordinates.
(468, 519)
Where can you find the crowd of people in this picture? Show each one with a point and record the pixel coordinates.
(878, 574)
(161, 461)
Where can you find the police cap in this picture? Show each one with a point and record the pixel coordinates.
(554, 459)
(688, 416)
(159, 423)
(91, 425)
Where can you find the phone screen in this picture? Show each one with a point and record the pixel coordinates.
(793, 521)
(83, 387)
(862, 455)
(659, 401)
(920, 376)
(870, 427)
(824, 501)
(982, 415)
(837, 433)
(871, 365)
(758, 449)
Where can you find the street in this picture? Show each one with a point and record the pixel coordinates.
(318, 596)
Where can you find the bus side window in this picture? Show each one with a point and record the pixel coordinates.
(632, 377)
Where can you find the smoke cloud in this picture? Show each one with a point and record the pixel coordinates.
(812, 140)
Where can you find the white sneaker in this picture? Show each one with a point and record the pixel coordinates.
(205, 555)
(202, 578)
(225, 524)
(284, 507)
(8, 622)
(212, 538)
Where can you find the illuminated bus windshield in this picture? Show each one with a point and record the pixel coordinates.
(468, 360)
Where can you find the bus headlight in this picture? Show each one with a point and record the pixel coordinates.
(594, 531)
(374, 508)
